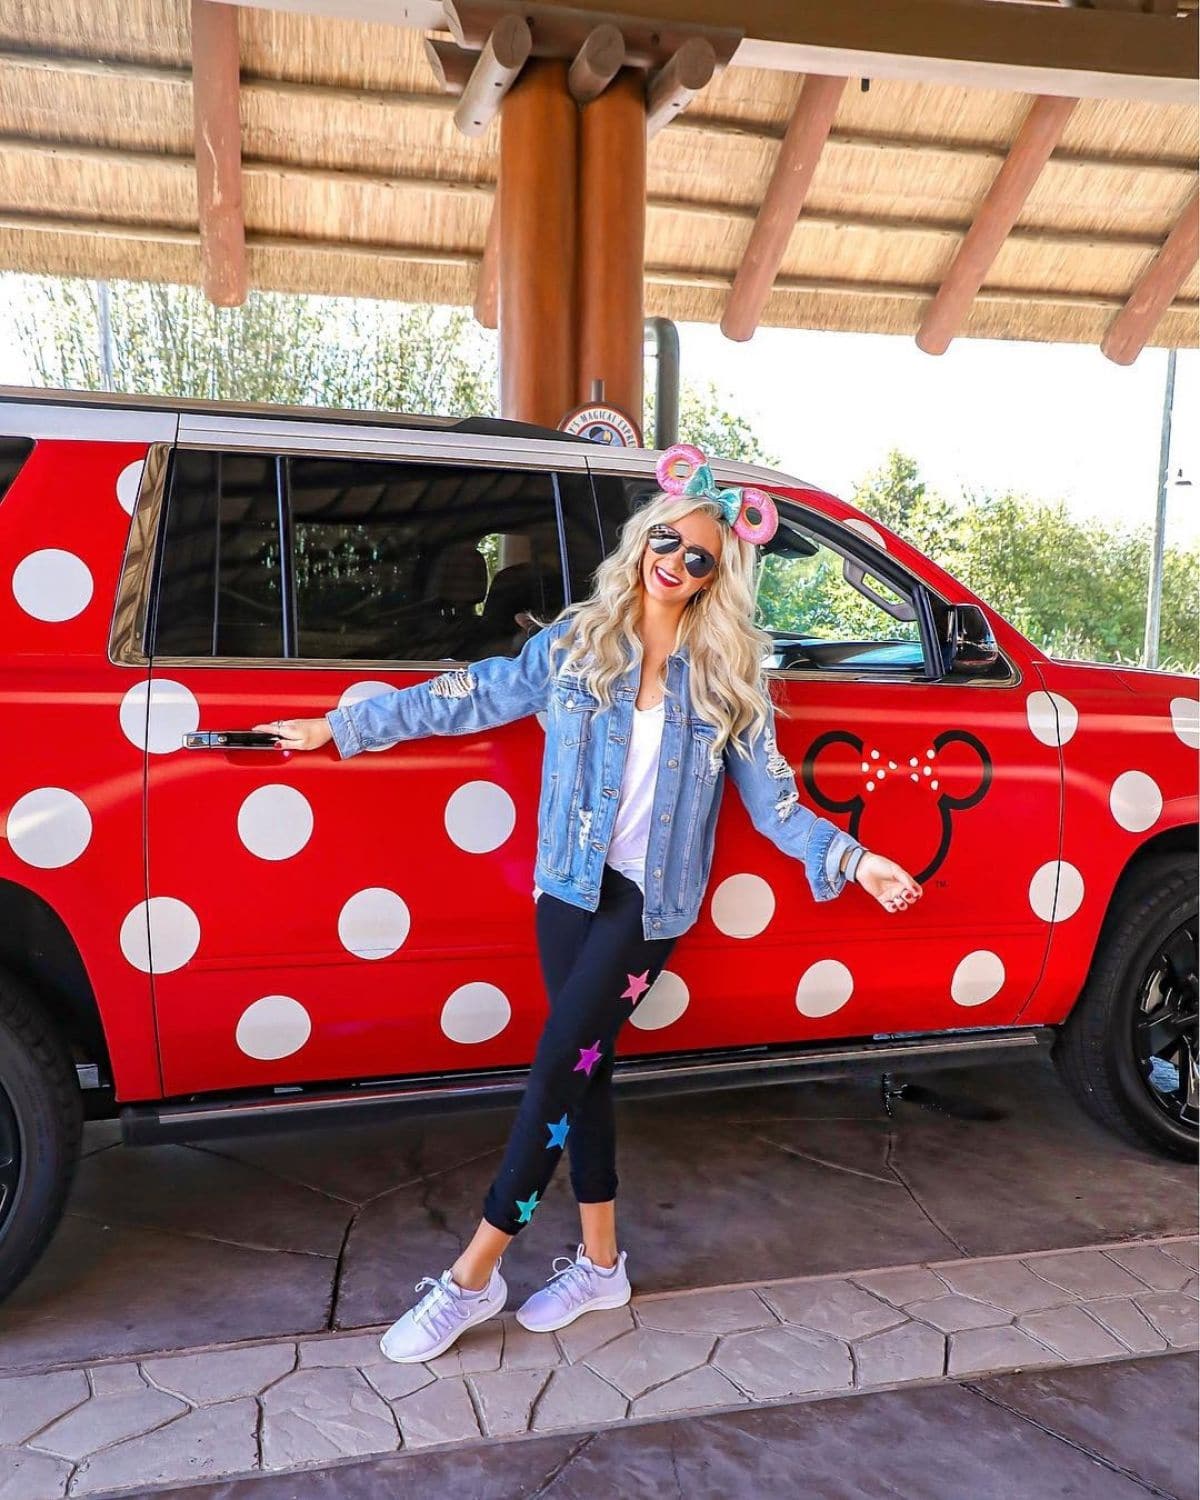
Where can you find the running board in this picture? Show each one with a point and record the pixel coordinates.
(305, 1105)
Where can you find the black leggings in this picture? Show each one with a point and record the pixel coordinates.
(596, 967)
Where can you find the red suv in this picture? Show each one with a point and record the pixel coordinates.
(202, 938)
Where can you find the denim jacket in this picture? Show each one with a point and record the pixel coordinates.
(582, 766)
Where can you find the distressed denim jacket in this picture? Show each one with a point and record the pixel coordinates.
(582, 766)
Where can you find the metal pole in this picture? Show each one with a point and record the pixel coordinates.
(106, 369)
(1154, 599)
(665, 337)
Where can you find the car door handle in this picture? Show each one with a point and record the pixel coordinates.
(229, 739)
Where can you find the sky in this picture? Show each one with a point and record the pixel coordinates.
(1050, 420)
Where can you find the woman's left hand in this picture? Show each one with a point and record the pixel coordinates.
(891, 885)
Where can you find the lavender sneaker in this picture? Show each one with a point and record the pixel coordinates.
(445, 1311)
(573, 1289)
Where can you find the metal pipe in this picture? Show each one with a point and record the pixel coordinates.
(664, 336)
(1154, 598)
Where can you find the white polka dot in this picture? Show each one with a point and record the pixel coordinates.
(1135, 801)
(1069, 883)
(1185, 718)
(273, 1027)
(977, 978)
(356, 694)
(49, 827)
(173, 935)
(742, 906)
(542, 718)
(864, 528)
(275, 822)
(129, 481)
(373, 923)
(480, 816)
(1045, 724)
(663, 1003)
(476, 1012)
(824, 987)
(52, 585)
(174, 712)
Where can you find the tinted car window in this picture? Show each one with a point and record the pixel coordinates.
(13, 453)
(388, 561)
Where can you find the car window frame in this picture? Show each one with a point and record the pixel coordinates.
(139, 590)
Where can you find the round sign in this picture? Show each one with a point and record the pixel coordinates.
(607, 425)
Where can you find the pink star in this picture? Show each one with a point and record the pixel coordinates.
(588, 1058)
(637, 983)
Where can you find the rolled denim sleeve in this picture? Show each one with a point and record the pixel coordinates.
(767, 787)
(485, 694)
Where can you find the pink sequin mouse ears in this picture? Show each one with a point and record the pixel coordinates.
(751, 513)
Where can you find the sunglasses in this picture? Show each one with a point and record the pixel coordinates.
(663, 540)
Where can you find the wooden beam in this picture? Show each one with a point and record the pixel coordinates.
(596, 64)
(218, 135)
(1078, 52)
(674, 87)
(396, 101)
(812, 120)
(487, 283)
(450, 64)
(1040, 132)
(504, 54)
(1156, 289)
(561, 31)
(53, 228)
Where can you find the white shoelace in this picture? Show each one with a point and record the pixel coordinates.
(572, 1283)
(440, 1308)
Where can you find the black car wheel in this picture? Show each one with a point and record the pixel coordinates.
(41, 1120)
(1128, 1050)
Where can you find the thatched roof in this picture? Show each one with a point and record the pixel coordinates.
(355, 180)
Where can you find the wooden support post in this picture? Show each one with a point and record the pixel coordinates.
(1040, 132)
(612, 243)
(218, 144)
(539, 130)
(799, 153)
(1156, 287)
(487, 282)
(676, 84)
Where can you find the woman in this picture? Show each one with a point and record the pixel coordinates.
(653, 687)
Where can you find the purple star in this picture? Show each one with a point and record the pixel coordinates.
(588, 1058)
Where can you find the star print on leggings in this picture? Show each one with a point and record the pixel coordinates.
(637, 983)
(527, 1206)
(558, 1133)
(588, 1058)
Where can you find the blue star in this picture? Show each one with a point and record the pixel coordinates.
(558, 1133)
(527, 1206)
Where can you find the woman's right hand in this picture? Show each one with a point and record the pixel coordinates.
(297, 734)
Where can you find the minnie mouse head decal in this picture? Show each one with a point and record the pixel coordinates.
(901, 800)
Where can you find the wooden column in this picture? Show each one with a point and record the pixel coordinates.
(537, 202)
(612, 242)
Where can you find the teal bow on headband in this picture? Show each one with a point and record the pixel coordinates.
(704, 487)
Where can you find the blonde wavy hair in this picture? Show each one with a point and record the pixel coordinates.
(727, 651)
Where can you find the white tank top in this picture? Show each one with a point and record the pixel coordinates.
(631, 833)
(627, 851)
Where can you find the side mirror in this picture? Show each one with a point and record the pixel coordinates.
(970, 646)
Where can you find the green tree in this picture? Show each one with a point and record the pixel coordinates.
(292, 350)
(716, 428)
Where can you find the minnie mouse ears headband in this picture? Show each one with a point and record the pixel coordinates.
(751, 513)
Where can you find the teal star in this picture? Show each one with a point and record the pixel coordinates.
(558, 1133)
(527, 1206)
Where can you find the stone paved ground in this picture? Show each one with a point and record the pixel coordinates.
(300, 1233)
(284, 1404)
(1115, 1431)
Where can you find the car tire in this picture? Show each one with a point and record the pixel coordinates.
(1097, 1049)
(41, 1123)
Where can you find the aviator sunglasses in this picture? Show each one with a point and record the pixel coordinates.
(663, 540)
